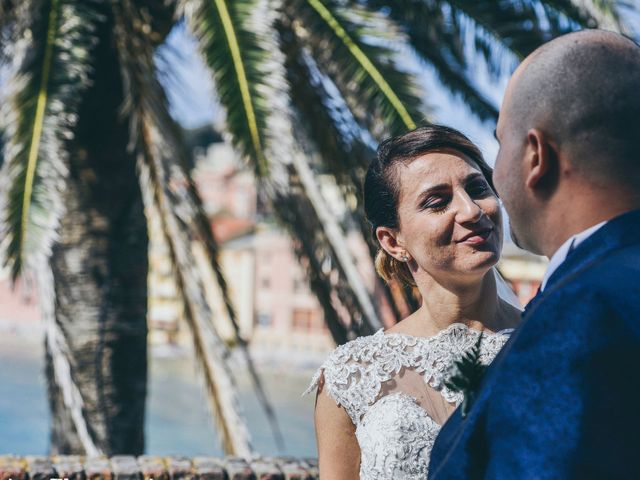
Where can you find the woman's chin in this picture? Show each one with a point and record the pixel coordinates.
(481, 262)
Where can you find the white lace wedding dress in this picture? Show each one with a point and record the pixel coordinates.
(390, 385)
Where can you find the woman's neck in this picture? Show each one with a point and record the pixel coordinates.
(474, 304)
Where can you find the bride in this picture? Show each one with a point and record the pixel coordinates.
(380, 400)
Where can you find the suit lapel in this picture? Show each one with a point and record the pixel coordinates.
(532, 302)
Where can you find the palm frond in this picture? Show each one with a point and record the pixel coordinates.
(211, 353)
(311, 247)
(52, 72)
(321, 244)
(192, 215)
(436, 40)
(237, 57)
(332, 134)
(251, 32)
(292, 181)
(458, 82)
(176, 199)
(338, 241)
(8, 28)
(513, 26)
(342, 313)
(344, 45)
(589, 13)
(332, 129)
(520, 27)
(199, 224)
(58, 349)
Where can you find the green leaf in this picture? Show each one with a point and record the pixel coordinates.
(170, 193)
(466, 375)
(520, 27)
(439, 43)
(238, 59)
(7, 27)
(333, 136)
(589, 13)
(46, 89)
(350, 45)
(330, 132)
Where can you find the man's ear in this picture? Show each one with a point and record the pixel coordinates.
(540, 161)
(388, 238)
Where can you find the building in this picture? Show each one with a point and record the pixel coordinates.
(19, 310)
(523, 270)
(274, 306)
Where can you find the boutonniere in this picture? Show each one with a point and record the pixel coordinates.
(465, 376)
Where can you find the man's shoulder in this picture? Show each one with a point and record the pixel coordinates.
(616, 273)
(601, 298)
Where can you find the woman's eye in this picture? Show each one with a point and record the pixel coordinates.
(478, 189)
(435, 203)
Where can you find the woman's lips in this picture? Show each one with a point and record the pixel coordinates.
(478, 237)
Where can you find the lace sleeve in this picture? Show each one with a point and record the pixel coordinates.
(344, 375)
(315, 380)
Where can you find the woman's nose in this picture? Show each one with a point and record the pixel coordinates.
(468, 210)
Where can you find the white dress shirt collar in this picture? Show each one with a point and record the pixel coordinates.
(561, 254)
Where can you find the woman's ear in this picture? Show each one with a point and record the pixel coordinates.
(388, 238)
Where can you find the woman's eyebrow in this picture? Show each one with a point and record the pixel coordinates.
(444, 186)
(433, 188)
(473, 176)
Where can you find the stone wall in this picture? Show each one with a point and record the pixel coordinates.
(155, 468)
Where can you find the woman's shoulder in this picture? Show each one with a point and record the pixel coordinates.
(352, 373)
(356, 350)
(346, 359)
(367, 351)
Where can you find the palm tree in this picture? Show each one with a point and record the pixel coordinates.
(308, 87)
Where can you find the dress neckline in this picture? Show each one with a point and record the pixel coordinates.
(454, 326)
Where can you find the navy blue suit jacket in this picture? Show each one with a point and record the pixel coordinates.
(562, 399)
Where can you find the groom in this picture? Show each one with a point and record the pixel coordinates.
(562, 400)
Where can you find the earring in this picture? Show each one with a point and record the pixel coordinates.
(404, 257)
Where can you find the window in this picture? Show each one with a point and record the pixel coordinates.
(264, 319)
(303, 319)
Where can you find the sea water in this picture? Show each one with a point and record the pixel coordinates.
(177, 422)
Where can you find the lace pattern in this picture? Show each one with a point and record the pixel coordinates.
(394, 432)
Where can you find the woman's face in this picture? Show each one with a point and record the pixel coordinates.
(450, 219)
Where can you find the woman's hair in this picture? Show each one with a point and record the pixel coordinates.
(382, 186)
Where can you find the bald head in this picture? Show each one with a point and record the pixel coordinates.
(583, 90)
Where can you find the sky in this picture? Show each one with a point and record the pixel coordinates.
(189, 88)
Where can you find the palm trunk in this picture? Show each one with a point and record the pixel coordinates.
(100, 277)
